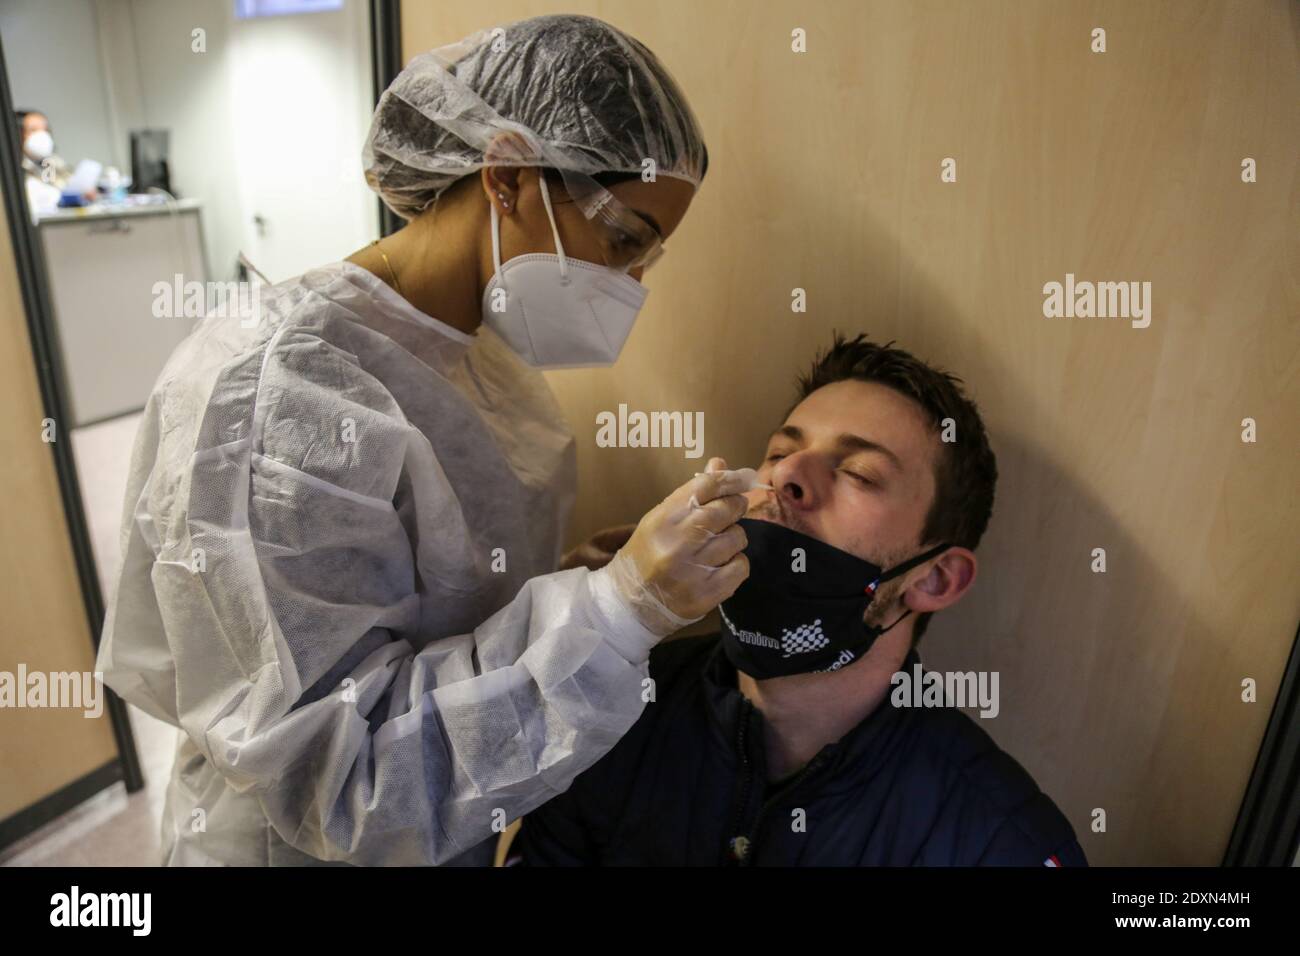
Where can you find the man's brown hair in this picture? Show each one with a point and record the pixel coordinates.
(966, 472)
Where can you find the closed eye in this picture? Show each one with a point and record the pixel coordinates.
(861, 479)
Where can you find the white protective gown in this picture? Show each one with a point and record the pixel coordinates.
(338, 536)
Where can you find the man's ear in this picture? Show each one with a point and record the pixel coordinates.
(943, 583)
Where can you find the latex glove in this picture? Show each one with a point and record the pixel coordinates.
(598, 550)
(684, 558)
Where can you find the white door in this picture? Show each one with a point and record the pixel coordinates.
(302, 105)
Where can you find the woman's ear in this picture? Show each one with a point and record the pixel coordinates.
(501, 186)
(501, 183)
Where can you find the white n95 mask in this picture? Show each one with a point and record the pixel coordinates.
(557, 312)
(40, 145)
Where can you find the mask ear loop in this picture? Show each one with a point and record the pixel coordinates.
(900, 617)
(550, 214)
(900, 569)
(496, 243)
(907, 565)
(555, 231)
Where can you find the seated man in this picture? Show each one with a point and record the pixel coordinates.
(781, 740)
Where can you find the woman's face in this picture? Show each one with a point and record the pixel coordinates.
(525, 227)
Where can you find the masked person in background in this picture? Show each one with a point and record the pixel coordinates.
(343, 522)
(45, 172)
(781, 742)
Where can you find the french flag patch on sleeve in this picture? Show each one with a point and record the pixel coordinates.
(1052, 861)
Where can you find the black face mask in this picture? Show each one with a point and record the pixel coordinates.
(785, 621)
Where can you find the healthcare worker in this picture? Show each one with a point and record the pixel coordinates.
(46, 174)
(343, 521)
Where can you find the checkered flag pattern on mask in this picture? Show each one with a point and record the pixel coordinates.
(803, 639)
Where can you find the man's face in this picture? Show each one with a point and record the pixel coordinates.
(853, 466)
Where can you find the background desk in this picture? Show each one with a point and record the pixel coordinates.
(103, 262)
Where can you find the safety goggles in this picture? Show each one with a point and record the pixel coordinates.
(627, 240)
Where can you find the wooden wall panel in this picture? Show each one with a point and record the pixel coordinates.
(42, 617)
(1119, 691)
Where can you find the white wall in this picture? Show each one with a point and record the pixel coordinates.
(162, 83)
(268, 121)
(52, 52)
(303, 102)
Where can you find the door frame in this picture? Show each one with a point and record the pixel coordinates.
(1267, 832)
(29, 264)
(385, 63)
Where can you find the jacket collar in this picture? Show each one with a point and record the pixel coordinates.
(861, 751)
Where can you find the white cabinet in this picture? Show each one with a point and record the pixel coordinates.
(103, 267)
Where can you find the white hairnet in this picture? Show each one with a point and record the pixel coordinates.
(584, 98)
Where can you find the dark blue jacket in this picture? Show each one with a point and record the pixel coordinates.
(686, 787)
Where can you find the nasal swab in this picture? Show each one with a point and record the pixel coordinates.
(748, 478)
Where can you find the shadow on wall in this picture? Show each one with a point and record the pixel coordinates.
(1101, 696)
(1070, 645)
